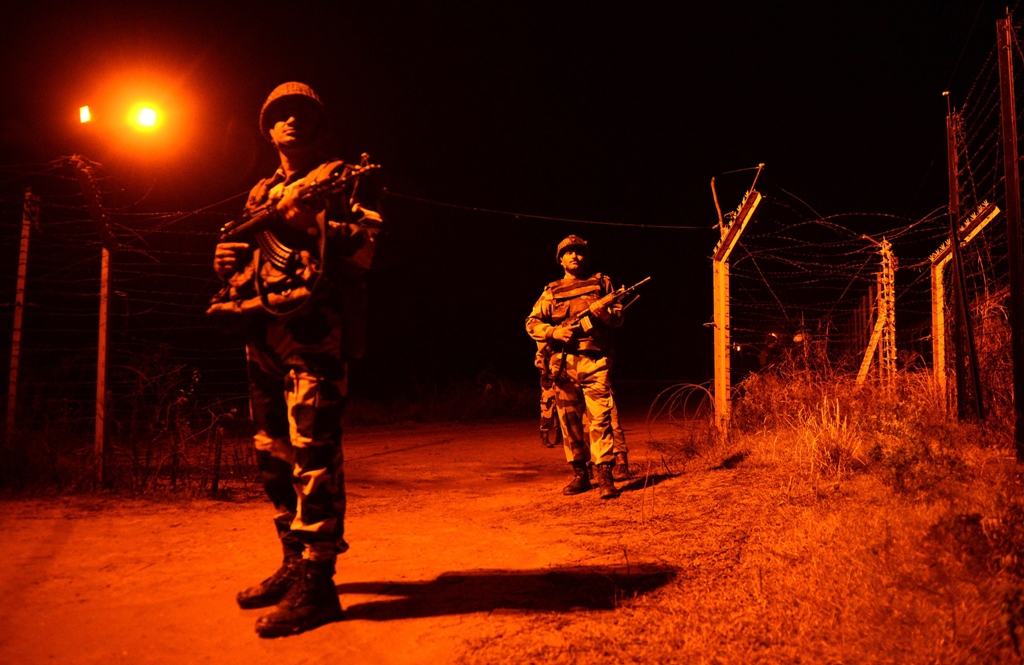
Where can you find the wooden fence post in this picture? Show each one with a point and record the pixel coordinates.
(29, 216)
(1008, 111)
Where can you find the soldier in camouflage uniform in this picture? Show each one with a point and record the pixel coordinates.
(550, 428)
(580, 363)
(309, 262)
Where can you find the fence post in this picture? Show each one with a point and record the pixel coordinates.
(939, 329)
(883, 335)
(1008, 113)
(723, 366)
(966, 358)
(84, 170)
(101, 369)
(887, 291)
(720, 265)
(977, 221)
(29, 216)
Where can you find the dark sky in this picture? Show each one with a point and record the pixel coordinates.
(596, 111)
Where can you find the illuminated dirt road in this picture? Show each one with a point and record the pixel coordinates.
(458, 532)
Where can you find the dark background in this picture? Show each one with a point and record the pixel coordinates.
(609, 113)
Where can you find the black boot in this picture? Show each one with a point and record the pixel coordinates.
(271, 590)
(621, 469)
(312, 601)
(580, 480)
(605, 481)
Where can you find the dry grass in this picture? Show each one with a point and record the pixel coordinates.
(861, 526)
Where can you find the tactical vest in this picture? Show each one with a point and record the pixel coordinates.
(573, 296)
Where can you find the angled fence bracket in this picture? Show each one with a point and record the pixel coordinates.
(940, 258)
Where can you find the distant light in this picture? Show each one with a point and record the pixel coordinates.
(147, 117)
(84, 115)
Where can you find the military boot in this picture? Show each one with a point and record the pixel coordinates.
(621, 469)
(580, 480)
(312, 601)
(605, 482)
(271, 590)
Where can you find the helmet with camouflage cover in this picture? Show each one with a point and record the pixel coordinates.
(292, 90)
(572, 241)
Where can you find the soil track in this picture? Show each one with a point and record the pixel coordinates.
(448, 532)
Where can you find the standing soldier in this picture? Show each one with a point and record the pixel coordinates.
(580, 363)
(296, 286)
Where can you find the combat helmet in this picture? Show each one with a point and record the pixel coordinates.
(571, 241)
(284, 91)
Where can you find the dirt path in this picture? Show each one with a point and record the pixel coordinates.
(449, 539)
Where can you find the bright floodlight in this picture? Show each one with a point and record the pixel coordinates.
(145, 117)
(84, 115)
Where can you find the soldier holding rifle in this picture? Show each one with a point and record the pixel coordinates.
(291, 270)
(575, 317)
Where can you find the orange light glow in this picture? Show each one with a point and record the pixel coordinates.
(145, 117)
(144, 114)
(84, 115)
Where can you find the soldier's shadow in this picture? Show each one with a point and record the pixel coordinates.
(566, 589)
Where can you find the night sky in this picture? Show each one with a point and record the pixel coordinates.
(608, 113)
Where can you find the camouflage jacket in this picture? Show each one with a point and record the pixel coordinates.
(564, 299)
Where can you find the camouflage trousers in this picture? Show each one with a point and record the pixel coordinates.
(583, 390)
(551, 428)
(297, 414)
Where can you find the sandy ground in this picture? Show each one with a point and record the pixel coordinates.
(446, 545)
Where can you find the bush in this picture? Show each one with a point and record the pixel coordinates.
(830, 426)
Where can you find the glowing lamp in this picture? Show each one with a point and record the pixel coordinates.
(84, 115)
(144, 117)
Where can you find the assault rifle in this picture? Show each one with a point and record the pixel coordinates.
(582, 320)
(337, 178)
